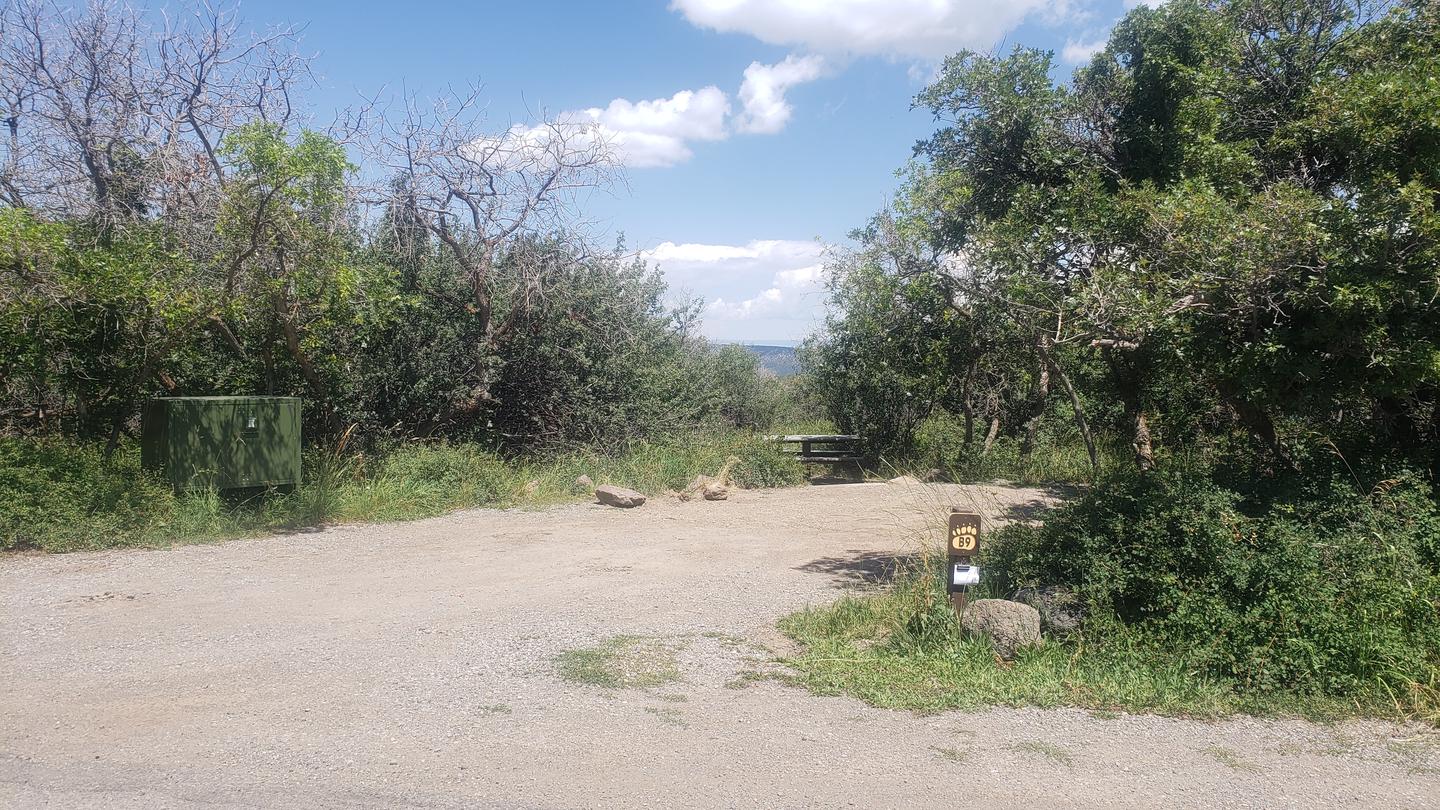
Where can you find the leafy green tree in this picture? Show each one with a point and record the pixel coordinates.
(1228, 216)
(301, 290)
(89, 325)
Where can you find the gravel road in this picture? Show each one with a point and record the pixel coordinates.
(414, 665)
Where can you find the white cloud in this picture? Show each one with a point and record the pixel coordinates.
(698, 114)
(763, 256)
(764, 289)
(802, 277)
(658, 132)
(641, 134)
(762, 93)
(1076, 52)
(923, 29)
(793, 295)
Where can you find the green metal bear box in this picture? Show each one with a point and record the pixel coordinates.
(223, 442)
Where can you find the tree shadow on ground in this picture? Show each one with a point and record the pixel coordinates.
(1036, 509)
(861, 567)
(838, 473)
(1031, 510)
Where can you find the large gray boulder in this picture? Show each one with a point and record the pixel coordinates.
(1010, 626)
(611, 495)
(1061, 610)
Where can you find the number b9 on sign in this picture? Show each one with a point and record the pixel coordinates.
(964, 534)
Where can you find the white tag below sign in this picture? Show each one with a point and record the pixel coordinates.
(965, 575)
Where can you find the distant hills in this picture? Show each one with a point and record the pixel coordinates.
(778, 360)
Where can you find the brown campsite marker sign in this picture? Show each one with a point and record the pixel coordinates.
(962, 545)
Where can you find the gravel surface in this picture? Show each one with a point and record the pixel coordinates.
(414, 665)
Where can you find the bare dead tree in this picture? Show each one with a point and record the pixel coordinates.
(477, 193)
(114, 114)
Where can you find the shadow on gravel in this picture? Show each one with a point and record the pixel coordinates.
(1026, 512)
(1035, 508)
(860, 567)
(828, 480)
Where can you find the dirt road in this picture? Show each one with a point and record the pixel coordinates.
(414, 665)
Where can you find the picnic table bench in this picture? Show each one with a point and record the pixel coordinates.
(823, 448)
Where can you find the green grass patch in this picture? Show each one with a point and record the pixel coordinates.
(1050, 751)
(1232, 760)
(951, 754)
(668, 715)
(60, 496)
(903, 649)
(958, 673)
(622, 662)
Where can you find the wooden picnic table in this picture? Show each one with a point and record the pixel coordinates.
(823, 448)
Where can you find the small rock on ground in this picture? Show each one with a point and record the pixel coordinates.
(1010, 626)
(696, 487)
(618, 496)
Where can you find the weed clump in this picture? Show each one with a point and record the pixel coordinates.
(60, 495)
(762, 464)
(622, 662)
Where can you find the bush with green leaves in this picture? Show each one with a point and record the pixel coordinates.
(763, 464)
(57, 495)
(1223, 222)
(1307, 585)
(465, 472)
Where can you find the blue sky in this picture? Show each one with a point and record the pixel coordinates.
(754, 132)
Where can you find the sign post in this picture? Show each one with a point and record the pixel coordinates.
(961, 549)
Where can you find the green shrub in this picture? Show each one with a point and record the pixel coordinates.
(763, 464)
(1059, 455)
(63, 496)
(471, 475)
(940, 439)
(1309, 585)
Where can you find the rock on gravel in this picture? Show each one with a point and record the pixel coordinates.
(696, 488)
(618, 496)
(1010, 626)
(716, 492)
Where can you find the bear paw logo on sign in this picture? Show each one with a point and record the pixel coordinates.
(964, 534)
(964, 538)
